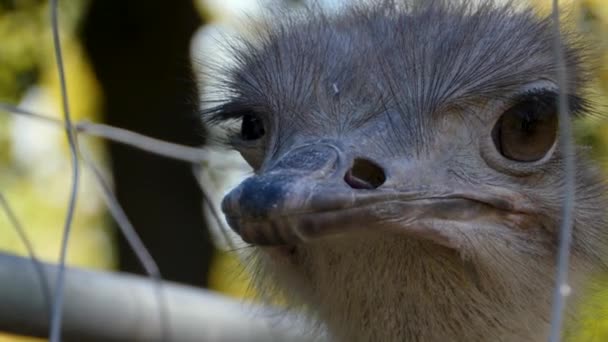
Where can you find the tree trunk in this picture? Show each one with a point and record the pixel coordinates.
(140, 54)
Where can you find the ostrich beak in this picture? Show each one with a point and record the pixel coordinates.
(310, 194)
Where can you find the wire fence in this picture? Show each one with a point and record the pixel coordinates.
(177, 309)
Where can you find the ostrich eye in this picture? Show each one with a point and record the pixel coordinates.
(252, 127)
(527, 131)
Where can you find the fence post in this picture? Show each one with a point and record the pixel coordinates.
(104, 306)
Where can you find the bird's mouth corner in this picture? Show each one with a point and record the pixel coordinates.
(430, 217)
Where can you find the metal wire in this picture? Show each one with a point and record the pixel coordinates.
(562, 289)
(142, 142)
(134, 241)
(56, 314)
(119, 135)
(196, 170)
(16, 224)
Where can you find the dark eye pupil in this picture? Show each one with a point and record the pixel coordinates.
(526, 132)
(252, 127)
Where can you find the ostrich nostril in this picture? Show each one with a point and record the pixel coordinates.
(365, 174)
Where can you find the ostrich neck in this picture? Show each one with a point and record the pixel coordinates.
(398, 289)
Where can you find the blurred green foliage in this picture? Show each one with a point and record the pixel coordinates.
(38, 188)
(26, 41)
(34, 160)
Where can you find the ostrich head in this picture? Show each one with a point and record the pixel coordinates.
(407, 168)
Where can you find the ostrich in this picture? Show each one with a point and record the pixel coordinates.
(407, 170)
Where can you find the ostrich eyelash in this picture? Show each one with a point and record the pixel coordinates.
(232, 110)
(539, 100)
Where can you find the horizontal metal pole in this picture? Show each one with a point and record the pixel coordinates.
(104, 306)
